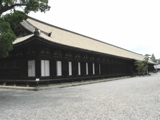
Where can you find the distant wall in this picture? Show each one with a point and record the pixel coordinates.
(157, 67)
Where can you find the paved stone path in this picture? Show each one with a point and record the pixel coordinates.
(136, 98)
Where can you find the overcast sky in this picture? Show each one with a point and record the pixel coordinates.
(130, 24)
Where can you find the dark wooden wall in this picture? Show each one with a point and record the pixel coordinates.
(16, 65)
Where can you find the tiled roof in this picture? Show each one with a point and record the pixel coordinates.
(65, 37)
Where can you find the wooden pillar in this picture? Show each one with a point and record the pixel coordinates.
(75, 68)
(113, 67)
(83, 68)
(118, 68)
(65, 68)
(53, 68)
(38, 68)
(24, 69)
(90, 69)
(103, 68)
(106, 68)
(110, 68)
(97, 69)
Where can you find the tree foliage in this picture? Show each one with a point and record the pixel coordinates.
(27, 5)
(9, 22)
(142, 66)
(6, 38)
(153, 58)
(14, 18)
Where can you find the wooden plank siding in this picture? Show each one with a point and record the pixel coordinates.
(46, 51)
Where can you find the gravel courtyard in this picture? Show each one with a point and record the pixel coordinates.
(136, 98)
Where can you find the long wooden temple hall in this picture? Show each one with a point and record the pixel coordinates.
(43, 52)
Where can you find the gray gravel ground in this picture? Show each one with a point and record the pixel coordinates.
(136, 98)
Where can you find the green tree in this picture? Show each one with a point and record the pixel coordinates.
(27, 5)
(10, 21)
(142, 66)
(153, 58)
(6, 38)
